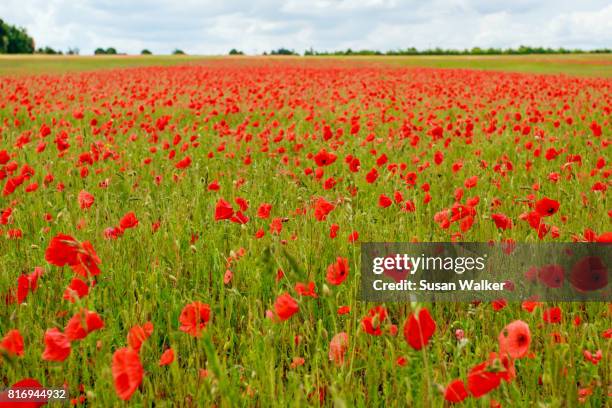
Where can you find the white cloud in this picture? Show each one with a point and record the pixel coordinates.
(213, 27)
(579, 29)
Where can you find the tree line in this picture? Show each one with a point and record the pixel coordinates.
(522, 50)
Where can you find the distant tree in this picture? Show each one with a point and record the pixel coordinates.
(108, 51)
(15, 40)
(145, 52)
(476, 51)
(523, 49)
(73, 51)
(234, 51)
(48, 50)
(178, 52)
(283, 51)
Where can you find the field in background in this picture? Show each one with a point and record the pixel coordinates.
(587, 64)
(50, 64)
(591, 65)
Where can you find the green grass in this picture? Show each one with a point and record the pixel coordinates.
(48, 64)
(582, 64)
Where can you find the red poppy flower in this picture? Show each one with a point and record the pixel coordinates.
(4, 157)
(127, 372)
(227, 277)
(502, 221)
(530, 305)
(401, 361)
(223, 210)
(76, 290)
(546, 207)
(87, 261)
(12, 184)
(338, 271)
(342, 310)
(372, 323)
(62, 250)
(285, 306)
(23, 288)
(398, 197)
(333, 231)
(551, 275)
(588, 274)
(514, 339)
(239, 218)
(338, 347)
(166, 358)
(81, 257)
(324, 158)
(499, 304)
(322, 209)
(81, 324)
(411, 178)
(533, 218)
(57, 345)
(12, 343)
(86, 199)
(128, 221)
(354, 165)
(306, 290)
(487, 376)
(595, 128)
(455, 392)
(592, 358)
(24, 385)
(113, 232)
(276, 226)
(471, 182)
(138, 335)
(329, 183)
(264, 210)
(297, 362)
(552, 315)
(5, 216)
(605, 237)
(409, 206)
(242, 203)
(481, 382)
(372, 175)
(466, 223)
(418, 331)
(194, 318)
(384, 201)
(531, 274)
(184, 163)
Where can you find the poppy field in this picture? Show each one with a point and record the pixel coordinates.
(190, 235)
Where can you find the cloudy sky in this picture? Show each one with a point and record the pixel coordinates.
(215, 26)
